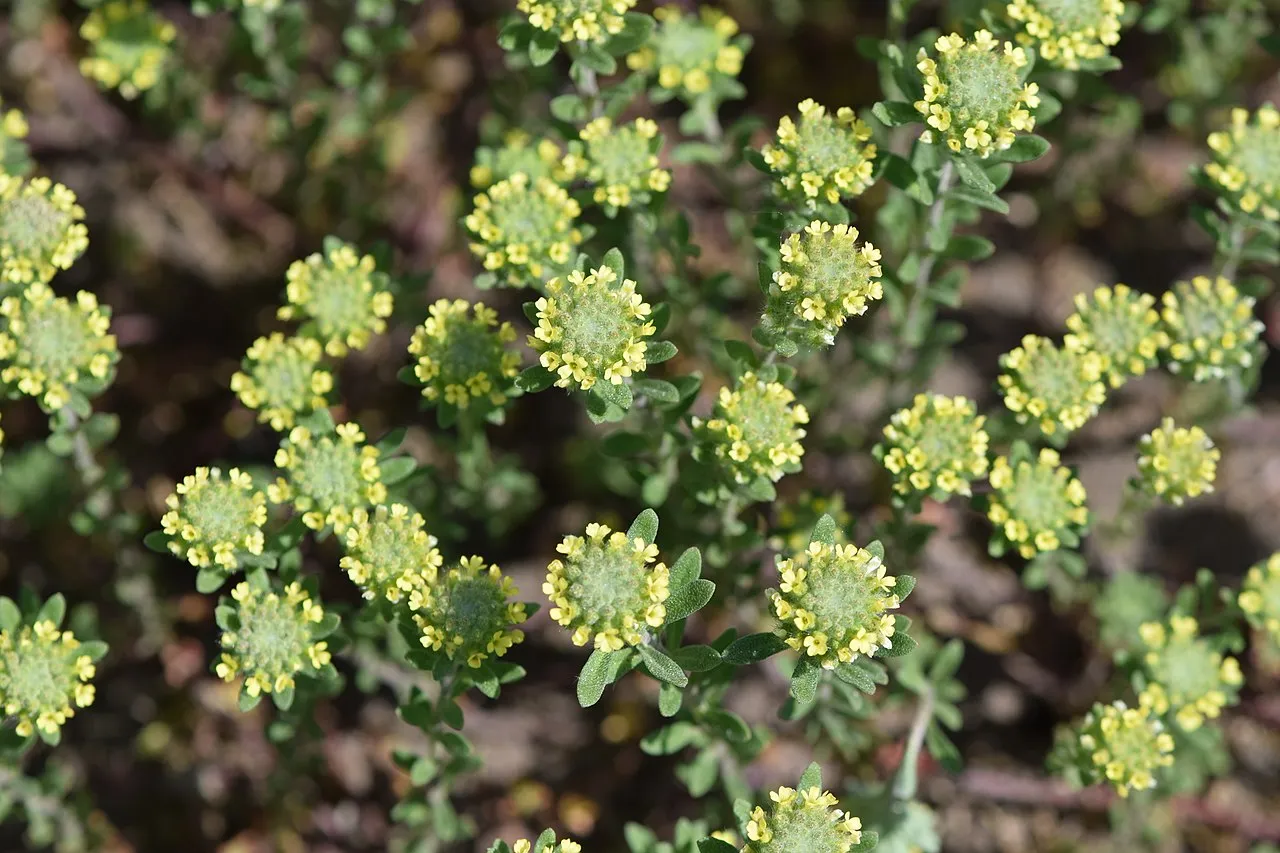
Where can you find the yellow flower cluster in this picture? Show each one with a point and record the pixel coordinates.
(214, 520)
(822, 157)
(389, 552)
(1186, 673)
(1177, 463)
(272, 638)
(802, 820)
(826, 276)
(52, 345)
(832, 603)
(1059, 388)
(606, 590)
(565, 845)
(1064, 32)
(128, 46)
(283, 378)
(468, 613)
(1126, 746)
(936, 447)
(519, 154)
(328, 477)
(340, 296)
(592, 327)
(755, 430)
(688, 53)
(44, 677)
(41, 229)
(523, 227)
(1246, 160)
(1211, 328)
(1036, 506)
(974, 97)
(1260, 596)
(1122, 327)
(464, 359)
(590, 21)
(620, 163)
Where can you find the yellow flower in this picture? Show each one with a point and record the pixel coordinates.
(328, 477)
(462, 358)
(215, 520)
(1176, 463)
(1211, 329)
(468, 613)
(936, 447)
(754, 431)
(1187, 675)
(41, 229)
(1036, 506)
(691, 56)
(389, 553)
(519, 154)
(1122, 327)
(1064, 32)
(270, 637)
(283, 378)
(45, 675)
(621, 163)
(524, 229)
(1246, 161)
(591, 21)
(802, 820)
(823, 157)
(1124, 746)
(129, 45)
(1059, 388)
(1260, 596)
(340, 297)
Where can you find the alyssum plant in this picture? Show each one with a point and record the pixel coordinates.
(574, 211)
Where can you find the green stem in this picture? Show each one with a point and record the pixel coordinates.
(905, 781)
(1230, 265)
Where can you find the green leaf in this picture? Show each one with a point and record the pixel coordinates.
(825, 531)
(812, 777)
(697, 152)
(209, 580)
(689, 599)
(984, 200)
(969, 247)
(804, 681)
(158, 541)
(715, 845)
(697, 658)
(623, 443)
(761, 489)
(644, 527)
(534, 379)
(542, 47)
(397, 469)
(635, 33)
(450, 714)
(686, 569)
(1025, 148)
(903, 586)
(614, 260)
(284, 698)
(672, 739)
(571, 108)
(10, 615)
(596, 676)
(728, 725)
(903, 643)
(669, 700)
(662, 667)
(96, 650)
(947, 661)
(753, 648)
(970, 171)
(657, 390)
(618, 395)
(896, 113)
(941, 748)
(545, 840)
(657, 352)
(858, 677)
(53, 610)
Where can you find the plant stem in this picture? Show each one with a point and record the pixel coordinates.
(904, 782)
(1231, 262)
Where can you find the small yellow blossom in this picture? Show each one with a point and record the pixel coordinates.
(1211, 329)
(692, 56)
(340, 297)
(822, 157)
(1186, 673)
(129, 45)
(462, 355)
(283, 378)
(328, 477)
(270, 637)
(389, 552)
(937, 447)
(801, 820)
(468, 613)
(1246, 161)
(214, 519)
(1036, 506)
(41, 229)
(1058, 388)
(524, 229)
(590, 21)
(45, 674)
(1176, 463)
(754, 430)
(1064, 32)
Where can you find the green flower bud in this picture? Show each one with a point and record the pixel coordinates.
(1186, 674)
(44, 676)
(283, 378)
(272, 637)
(826, 276)
(519, 154)
(1064, 32)
(620, 163)
(1246, 161)
(1122, 327)
(1211, 328)
(55, 346)
(936, 448)
(592, 327)
(1124, 746)
(1260, 596)
(606, 590)
(340, 297)
(328, 477)
(14, 157)
(974, 97)
(1059, 388)
(1126, 601)
(802, 820)
(214, 520)
(590, 21)
(832, 603)
(690, 55)
(389, 553)
(463, 360)
(823, 157)
(1036, 506)
(755, 430)
(524, 229)
(128, 46)
(1176, 463)
(468, 613)
(42, 227)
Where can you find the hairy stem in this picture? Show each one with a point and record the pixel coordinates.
(904, 783)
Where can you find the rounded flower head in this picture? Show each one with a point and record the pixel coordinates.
(54, 345)
(1036, 506)
(801, 820)
(936, 447)
(1260, 596)
(328, 477)
(340, 296)
(1059, 388)
(974, 97)
(755, 429)
(1211, 327)
(592, 327)
(128, 46)
(215, 519)
(41, 229)
(607, 588)
(468, 613)
(822, 157)
(1176, 463)
(462, 355)
(1125, 746)
(620, 163)
(1064, 32)
(283, 378)
(271, 637)
(524, 228)
(44, 677)
(690, 54)
(1246, 161)
(389, 553)
(519, 154)
(1122, 327)
(833, 602)
(591, 21)
(1186, 674)
(826, 276)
